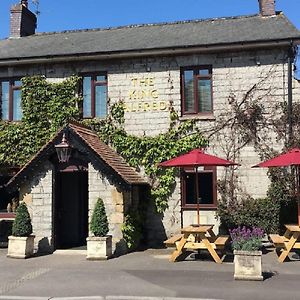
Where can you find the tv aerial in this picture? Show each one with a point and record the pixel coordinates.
(36, 3)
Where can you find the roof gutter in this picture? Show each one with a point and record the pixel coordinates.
(147, 53)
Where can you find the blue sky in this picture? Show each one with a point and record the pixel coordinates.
(58, 15)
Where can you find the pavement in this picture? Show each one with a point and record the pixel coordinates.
(143, 275)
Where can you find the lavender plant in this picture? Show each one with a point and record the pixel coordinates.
(246, 239)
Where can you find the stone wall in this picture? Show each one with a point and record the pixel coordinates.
(149, 85)
(37, 194)
(115, 202)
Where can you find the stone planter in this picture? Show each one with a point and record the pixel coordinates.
(20, 247)
(99, 248)
(247, 265)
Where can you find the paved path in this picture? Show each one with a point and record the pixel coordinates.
(142, 274)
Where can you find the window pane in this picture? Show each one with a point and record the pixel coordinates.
(17, 110)
(205, 188)
(204, 72)
(17, 83)
(189, 91)
(100, 101)
(190, 189)
(5, 100)
(87, 97)
(101, 78)
(204, 95)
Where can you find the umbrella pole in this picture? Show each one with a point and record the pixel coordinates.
(197, 196)
(298, 193)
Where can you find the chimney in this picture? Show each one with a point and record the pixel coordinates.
(267, 8)
(22, 20)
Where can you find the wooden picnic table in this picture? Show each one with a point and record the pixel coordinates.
(195, 238)
(290, 240)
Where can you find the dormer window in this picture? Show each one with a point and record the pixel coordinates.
(10, 93)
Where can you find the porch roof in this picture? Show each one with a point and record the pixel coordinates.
(98, 152)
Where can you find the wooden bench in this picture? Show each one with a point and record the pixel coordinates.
(171, 242)
(278, 240)
(221, 241)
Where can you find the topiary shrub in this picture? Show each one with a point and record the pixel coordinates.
(99, 223)
(22, 224)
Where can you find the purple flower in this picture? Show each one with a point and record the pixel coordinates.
(244, 238)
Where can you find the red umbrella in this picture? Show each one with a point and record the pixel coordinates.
(291, 158)
(196, 158)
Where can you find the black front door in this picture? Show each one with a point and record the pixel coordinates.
(71, 209)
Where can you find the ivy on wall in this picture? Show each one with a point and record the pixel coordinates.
(147, 152)
(48, 106)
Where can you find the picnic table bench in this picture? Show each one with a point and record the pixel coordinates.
(196, 238)
(285, 243)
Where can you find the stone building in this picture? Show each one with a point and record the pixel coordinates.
(204, 69)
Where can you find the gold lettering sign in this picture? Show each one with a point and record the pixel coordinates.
(143, 96)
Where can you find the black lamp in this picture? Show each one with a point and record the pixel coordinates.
(63, 150)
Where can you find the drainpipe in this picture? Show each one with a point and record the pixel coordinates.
(291, 57)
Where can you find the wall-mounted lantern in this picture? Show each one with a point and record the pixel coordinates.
(63, 150)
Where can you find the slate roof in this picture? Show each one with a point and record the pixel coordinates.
(209, 32)
(113, 161)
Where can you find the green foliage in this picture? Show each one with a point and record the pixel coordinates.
(249, 212)
(46, 107)
(132, 229)
(22, 224)
(283, 191)
(148, 152)
(99, 223)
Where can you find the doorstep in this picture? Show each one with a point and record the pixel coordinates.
(71, 251)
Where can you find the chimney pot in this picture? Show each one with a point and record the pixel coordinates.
(267, 7)
(24, 3)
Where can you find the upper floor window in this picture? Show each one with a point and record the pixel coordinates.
(10, 93)
(206, 185)
(94, 90)
(196, 84)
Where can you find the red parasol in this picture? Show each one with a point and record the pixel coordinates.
(291, 158)
(196, 158)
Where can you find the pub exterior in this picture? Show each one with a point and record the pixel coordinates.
(199, 68)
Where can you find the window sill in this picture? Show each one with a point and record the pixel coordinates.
(7, 216)
(201, 207)
(209, 117)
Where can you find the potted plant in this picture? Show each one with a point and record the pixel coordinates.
(99, 246)
(21, 242)
(247, 243)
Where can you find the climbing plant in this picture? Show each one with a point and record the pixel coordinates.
(147, 152)
(47, 106)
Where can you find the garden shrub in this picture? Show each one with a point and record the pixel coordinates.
(22, 224)
(249, 212)
(132, 229)
(99, 223)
